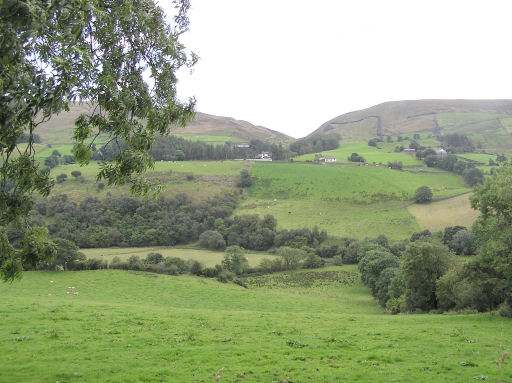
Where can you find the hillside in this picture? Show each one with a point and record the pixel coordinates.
(487, 122)
(205, 127)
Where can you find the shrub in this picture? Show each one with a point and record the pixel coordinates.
(291, 257)
(195, 267)
(235, 260)
(423, 194)
(154, 258)
(462, 243)
(76, 173)
(61, 178)
(313, 261)
(212, 239)
(176, 262)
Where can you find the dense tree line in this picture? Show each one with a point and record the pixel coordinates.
(315, 144)
(457, 143)
(452, 163)
(173, 148)
(128, 221)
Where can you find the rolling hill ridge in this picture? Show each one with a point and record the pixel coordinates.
(487, 122)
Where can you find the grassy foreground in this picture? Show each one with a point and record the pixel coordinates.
(313, 326)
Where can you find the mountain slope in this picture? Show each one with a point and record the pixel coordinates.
(59, 129)
(487, 122)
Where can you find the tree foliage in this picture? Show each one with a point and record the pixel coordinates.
(58, 52)
(423, 194)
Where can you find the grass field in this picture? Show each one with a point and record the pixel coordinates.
(371, 154)
(210, 178)
(450, 212)
(339, 219)
(348, 201)
(320, 326)
(206, 257)
(365, 184)
(478, 157)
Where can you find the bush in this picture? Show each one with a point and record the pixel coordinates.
(61, 178)
(423, 194)
(212, 240)
(154, 258)
(176, 262)
(235, 260)
(194, 267)
(328, 251)
(291, 257)
(462, 243)
(313, 261)
(76, 173)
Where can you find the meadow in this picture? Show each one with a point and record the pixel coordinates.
(207, 258)
(198, 179)
(310, 326)
(345, 200)
(370, 153)
(435, 216)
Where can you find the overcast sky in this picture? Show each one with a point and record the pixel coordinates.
(291, 65)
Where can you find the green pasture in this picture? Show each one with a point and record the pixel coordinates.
(209, 178)
(337, 218)
(310, 326)
(359, 184)
(435, 216)
(207, 257)
(478, 157)
(370, 153)
(353, 201)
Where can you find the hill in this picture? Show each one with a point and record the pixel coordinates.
(205, 127)
(312, 326)
(487, 122)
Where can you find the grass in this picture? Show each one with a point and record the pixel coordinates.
(206, 257)
(371, 154)
(339, 219)
(209, 178)
(345, 200)
(140, 327)
(366, 184)
(478, 157)
(436, 216)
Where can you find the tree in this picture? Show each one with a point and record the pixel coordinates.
(492, 267)
(235, 260)
(58, 52)
(473, 176)
(423, 263)
(423, 194)
(291, 257)
(179, 155)
(245, 179)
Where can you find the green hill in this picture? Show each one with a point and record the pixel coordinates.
(206, 127)
(312, 326)
(487, 122)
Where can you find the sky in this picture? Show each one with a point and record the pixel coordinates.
(291, 65)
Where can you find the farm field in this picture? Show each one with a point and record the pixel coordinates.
(371, 154)
(436, 216)
(344, 200)
(360, 184)
(210, 178)
(310, 326)
(478, 157)
(207, 257)
(339, 219)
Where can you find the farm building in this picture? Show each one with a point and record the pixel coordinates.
(325, 160)
(441, 152)
(409, 151)
(242, 146)
(265, 155)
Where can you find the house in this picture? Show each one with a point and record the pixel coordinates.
(242, 146)
(326, 160)
(265, 155)
(441, 152)
(409, 151)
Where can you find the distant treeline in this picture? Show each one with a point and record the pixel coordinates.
(128, 221)
(173, 148)
(315, 144)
